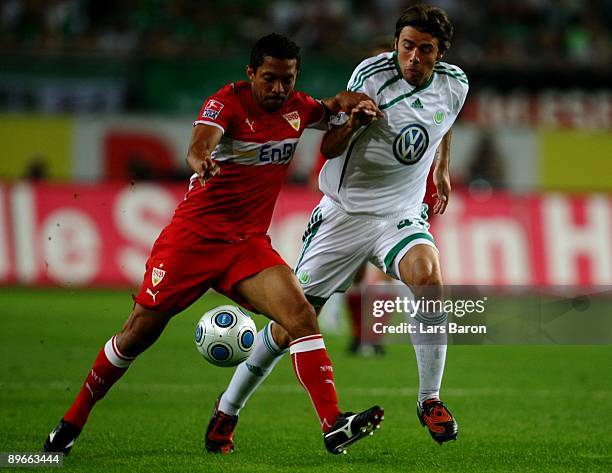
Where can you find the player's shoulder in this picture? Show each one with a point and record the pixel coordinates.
(453, 84)
(301, 97)
(375, 68)
(231, 98)
(302, 102)
(452, 72)
(233, 90)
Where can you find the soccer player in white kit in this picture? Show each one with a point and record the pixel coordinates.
(373, 185)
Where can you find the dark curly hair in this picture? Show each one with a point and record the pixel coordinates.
(276, 46)
(427, 19)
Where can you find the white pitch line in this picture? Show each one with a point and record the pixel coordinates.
(408, 391)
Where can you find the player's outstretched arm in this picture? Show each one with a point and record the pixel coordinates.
(336, 140)
(204, 140)
(441, 174)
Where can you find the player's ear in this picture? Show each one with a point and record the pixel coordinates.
(250, 73)
(395, 44)
(441, 52)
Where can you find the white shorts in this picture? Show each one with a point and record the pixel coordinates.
(336, 244)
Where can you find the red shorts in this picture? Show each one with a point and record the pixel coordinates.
(182, 266)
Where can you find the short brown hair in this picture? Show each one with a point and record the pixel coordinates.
(427, 19)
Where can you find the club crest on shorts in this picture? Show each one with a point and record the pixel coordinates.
(304, 277)
(157, 275)
(294, 119)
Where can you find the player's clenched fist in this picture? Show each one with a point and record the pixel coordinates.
(363, 113)
(346, 101)
(204, 166)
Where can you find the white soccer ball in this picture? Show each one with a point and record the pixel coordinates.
(225, 335)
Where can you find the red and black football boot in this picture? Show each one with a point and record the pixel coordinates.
(438, 419)
(219, 437)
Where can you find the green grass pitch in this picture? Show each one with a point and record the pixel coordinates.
(520, 408)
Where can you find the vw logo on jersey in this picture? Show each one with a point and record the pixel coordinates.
(410, 145)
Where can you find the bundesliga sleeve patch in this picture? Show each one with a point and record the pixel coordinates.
(212, 109)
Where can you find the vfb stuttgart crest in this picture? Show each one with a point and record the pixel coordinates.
(157, 275)
(293, 118)
(410, 145)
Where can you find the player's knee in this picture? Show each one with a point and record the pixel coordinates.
(425, 272)
(425, 279)
(303, 321)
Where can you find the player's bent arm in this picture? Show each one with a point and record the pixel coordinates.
(336, 140)
(204, 140)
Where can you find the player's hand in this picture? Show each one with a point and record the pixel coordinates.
(363, 113)
(204, 166)
(347, 101)
(441, 179)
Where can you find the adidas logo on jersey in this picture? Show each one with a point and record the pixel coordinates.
(416, 104)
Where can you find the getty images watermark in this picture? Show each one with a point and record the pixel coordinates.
(428, 316)
(475, 315)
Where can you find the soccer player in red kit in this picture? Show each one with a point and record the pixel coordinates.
(242, 143)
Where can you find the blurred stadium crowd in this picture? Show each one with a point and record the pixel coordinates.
(524, 33)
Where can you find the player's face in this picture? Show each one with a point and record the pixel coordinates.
(417, 53)
(273, 81)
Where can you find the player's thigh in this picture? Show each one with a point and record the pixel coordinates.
(334, 249)
(276, 293)
(399, 239)
(180, 268)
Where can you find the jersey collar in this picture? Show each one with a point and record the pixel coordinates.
(399, 71)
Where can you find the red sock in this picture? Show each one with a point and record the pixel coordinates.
(353, 302)
(314, 370)
(109, 366)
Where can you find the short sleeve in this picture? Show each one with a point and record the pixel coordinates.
(219, 110)
(463, 95)
(315, 113)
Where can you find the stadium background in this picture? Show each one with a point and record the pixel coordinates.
(96, 104)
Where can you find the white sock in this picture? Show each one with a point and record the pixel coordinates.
(430, 350)
(252, 372)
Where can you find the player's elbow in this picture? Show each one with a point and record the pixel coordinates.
(188, 160)
(329, 155)
(328, 151)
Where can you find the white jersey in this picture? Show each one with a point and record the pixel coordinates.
(383, 171)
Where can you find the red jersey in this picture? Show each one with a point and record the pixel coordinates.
(253, 154)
